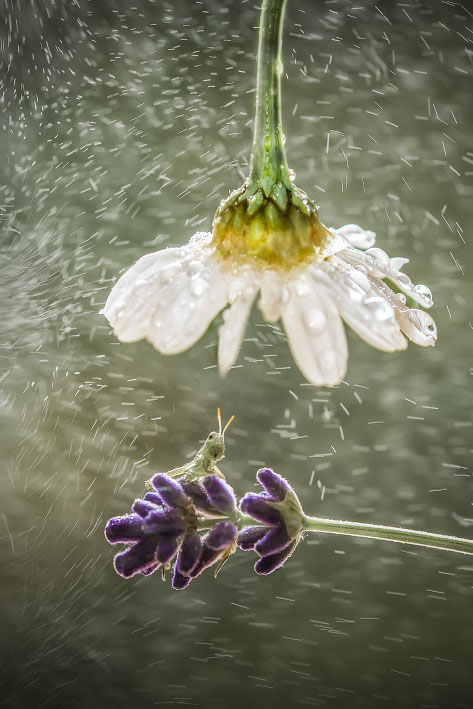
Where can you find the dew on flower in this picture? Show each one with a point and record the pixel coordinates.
(124, 125)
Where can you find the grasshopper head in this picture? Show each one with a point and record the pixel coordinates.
(214, 447)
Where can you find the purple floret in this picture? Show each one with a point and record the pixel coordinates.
(124, 529)
(268, 564)
(275, 485)
(136, 559)
(272, 541)
(216, 543)
(249, 536)
(220, 494)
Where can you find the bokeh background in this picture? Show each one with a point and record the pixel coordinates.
(123, 125)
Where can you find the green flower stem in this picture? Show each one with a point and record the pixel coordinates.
(390, 534)
(268, 164)
(400, 535)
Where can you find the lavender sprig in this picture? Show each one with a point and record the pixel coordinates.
(198, 525)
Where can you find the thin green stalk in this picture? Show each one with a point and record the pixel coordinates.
(391, 534)
(268, 163)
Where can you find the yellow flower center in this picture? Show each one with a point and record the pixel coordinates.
(281, 230)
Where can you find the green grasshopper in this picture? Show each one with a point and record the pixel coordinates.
(206, 459)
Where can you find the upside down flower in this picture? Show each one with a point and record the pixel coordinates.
(164, 527)
(279, 510)
(267, 238)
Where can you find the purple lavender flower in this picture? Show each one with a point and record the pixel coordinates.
(213, 497)
(164, 527)
(279, 510)
(162, 523)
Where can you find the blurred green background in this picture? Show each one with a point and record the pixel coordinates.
(122, 128)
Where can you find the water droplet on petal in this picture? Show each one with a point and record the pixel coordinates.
(379, 308)
(169, 271)
(419, 327)
(198, 286)
(315, 320)
(425, 293)
(360, 278)
(379, 255)
(194, 266)
(302, 289)
(358, 237)
(403, 280)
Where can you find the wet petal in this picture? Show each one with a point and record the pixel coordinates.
(132, 300)
(136, 559)
(170, 491)
(169, 297)
(189, 554)
(315, 333)
(220, 494)
(380, 265)
(274, 295)
(124, 529)
(260, 509)
(249, 536)
(361, 307)
(419, 326)
(275, 485)
(188, 303)
(268, 564)
(274, 541)
(235, 318)
(357, 236)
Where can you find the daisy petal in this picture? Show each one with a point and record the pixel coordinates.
(361, 307)
(185, 306)
(315, 333)
(356, 236)
(379, 264)
(131, 301)
(418, 325)
(235, 318)
(273, 295)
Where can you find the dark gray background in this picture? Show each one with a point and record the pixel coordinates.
(123, 126)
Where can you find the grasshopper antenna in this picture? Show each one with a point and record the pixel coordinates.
(228, 424)
(219, 419)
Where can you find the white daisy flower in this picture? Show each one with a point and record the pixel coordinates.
(170, 297)
(267, 238)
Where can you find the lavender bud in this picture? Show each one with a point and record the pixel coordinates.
(124, 529)
(220, 494)
(249, 536)
(275, 485)
(136, 559)
(268, 564)
(170, 491)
